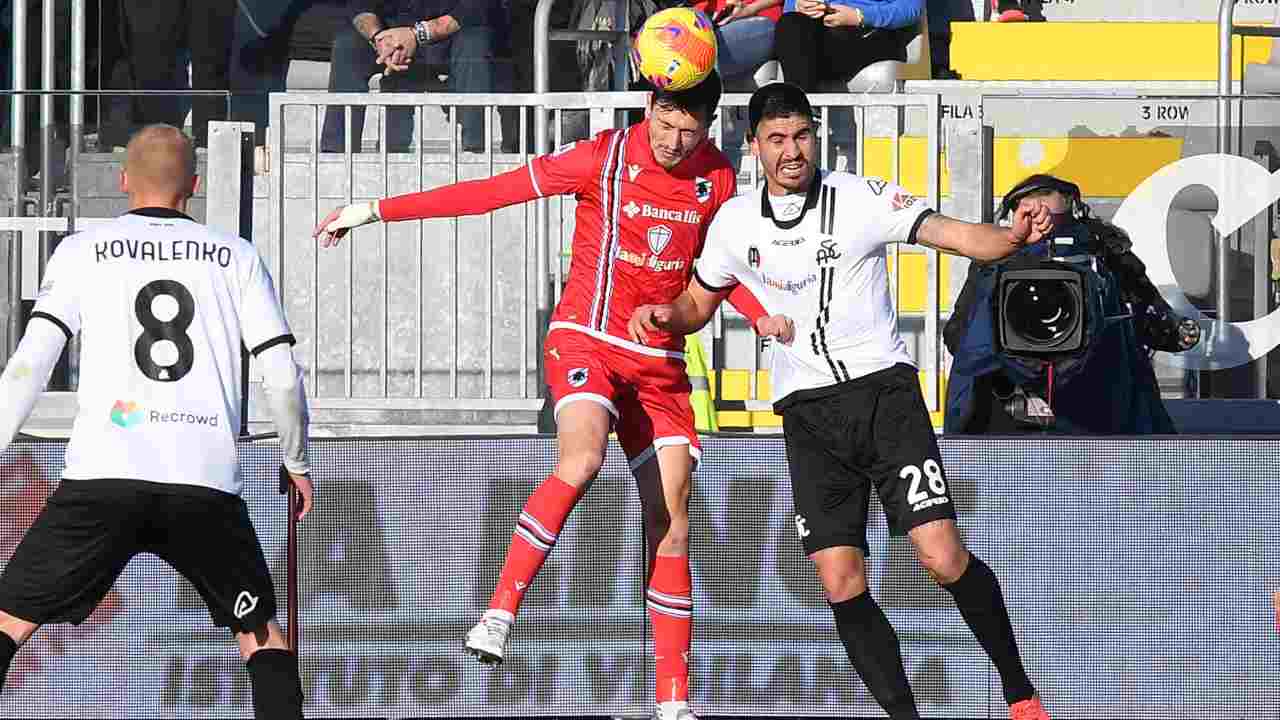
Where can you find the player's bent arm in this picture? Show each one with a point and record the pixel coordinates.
(283, 383)
(694, 307)
(27, 373)
(974, 240)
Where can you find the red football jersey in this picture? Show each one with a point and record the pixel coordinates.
(637, 229)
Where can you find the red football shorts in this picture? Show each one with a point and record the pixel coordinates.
(648, 395)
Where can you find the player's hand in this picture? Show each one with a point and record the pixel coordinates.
(777, 326)
(338, 223)
(305, 491)
(647, 319)
(1032, 222)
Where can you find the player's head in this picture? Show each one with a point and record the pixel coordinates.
(784, 136)
(679, 121)
(159, 168)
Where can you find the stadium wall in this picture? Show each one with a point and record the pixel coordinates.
(1138, 573)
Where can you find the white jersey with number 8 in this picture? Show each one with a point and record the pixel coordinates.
(163, 305)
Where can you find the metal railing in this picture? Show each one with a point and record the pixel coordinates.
(1227, 30)
(462, 354)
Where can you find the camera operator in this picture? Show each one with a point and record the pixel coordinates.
(1105, 386)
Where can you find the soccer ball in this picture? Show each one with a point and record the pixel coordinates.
(676, 49)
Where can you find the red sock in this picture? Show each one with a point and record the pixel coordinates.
(670, 601)
(536, 532)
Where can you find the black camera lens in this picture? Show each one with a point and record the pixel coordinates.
(1041, 311)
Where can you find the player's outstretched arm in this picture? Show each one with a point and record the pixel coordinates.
(285, 390)
(985, 242)
(562, 172)
(26, 375)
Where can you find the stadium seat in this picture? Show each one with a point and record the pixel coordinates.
(1264, 78)
(880, 77)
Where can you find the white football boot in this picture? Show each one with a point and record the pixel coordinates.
(674, 710)
(488, 640)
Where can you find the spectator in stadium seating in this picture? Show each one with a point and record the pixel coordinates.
(941, 14)
(270, 33)
(154, 32)
(817, 41)
(744, 39)
(410, 41)
(744, 33)
(517, 66)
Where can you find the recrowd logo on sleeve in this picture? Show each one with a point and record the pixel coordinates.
(127, 414)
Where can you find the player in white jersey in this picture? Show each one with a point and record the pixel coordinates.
(811, 248)
(163, 306)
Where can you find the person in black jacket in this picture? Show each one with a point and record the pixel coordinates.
(1111, 389)
(410, 41)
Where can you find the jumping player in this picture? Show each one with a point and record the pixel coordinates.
(646, 195)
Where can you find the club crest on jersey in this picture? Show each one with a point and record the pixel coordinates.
(702, 188)
(828, 251)
(633, 171)
(659, 238)
(577, 377)
(753, 257)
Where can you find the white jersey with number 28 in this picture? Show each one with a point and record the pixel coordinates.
(162, 304)
(823, 265)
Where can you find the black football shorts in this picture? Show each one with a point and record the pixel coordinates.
(90, 529)
(870, 431)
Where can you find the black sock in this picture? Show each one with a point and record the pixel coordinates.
(8, 648)
(277, 689)
(977, 594)
(873, 648)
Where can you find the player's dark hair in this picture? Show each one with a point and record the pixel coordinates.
(703, 97)
(776, 100)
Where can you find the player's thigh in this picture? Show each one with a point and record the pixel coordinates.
(656, 414)
(207, 536)
(829, 492)
(908, 465)
(74, 551)
(584, 395)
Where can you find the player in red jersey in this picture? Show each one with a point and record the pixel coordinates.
(646, 195)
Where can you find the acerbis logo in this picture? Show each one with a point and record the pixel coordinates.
(245, 604)
(126, 414)
(1244, 190)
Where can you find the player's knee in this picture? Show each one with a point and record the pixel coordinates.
(944, 563)
(843, 583)
(268, 635)
(19, 630)
(580, 467)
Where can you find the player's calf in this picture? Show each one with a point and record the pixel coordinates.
(277, 687)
